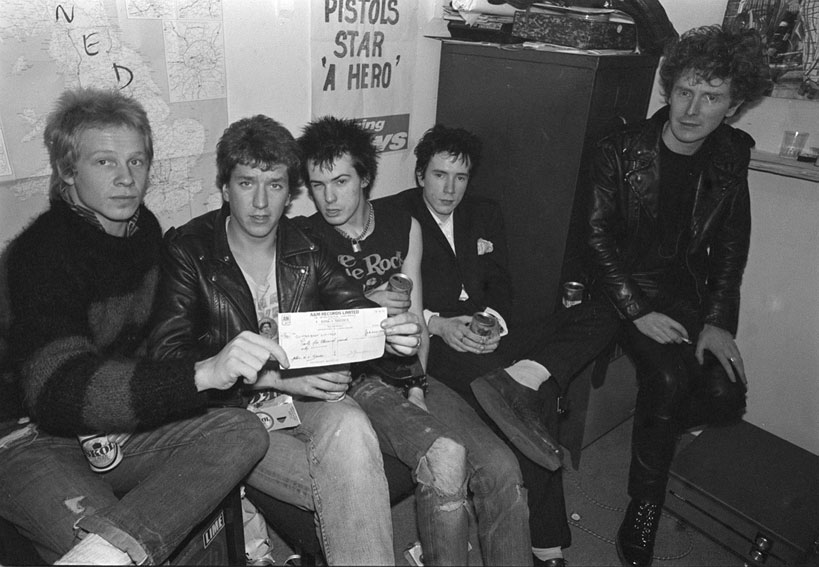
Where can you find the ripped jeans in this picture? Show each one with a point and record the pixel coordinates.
(169, 479)
(453, 454)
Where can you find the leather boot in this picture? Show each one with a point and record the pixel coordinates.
(520, 413)
(635, 538)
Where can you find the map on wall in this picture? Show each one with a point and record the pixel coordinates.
(168, 54)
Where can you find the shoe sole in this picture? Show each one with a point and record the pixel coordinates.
(503, 416)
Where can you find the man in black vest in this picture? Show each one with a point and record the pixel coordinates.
(513, 376)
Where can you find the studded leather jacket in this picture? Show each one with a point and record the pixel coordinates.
(204, 301)
(625, 194)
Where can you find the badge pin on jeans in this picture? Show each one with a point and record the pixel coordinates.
(269, 329)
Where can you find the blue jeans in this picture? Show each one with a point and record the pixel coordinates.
(169, 479)
(331, 464)
(491, 473)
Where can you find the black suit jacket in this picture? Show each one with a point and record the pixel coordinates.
(485, 276)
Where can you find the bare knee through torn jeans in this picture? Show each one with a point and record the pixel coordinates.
(491, 473)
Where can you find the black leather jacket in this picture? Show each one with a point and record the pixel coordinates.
(625, 193)
(204, 301)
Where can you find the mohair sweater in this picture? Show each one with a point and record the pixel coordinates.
(81, 302)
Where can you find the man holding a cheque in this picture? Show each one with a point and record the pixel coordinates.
(229, 273)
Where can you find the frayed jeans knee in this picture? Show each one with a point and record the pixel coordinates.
(442, 504)
(491, 473)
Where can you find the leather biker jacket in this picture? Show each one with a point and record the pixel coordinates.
(204, 301)
(625, 193)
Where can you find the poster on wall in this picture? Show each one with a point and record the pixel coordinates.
(790, 30)
(363, 57)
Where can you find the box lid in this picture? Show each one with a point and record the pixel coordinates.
(758, 475)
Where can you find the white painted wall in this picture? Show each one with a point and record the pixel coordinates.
(779, 316)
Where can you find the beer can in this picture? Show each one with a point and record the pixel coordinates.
(573, 293)
(103, 454)
(483, 324)
(400, 282)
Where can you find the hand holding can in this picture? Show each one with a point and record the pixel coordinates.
(483, 324)
(400, 283)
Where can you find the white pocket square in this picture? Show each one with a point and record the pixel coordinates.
(484, 247)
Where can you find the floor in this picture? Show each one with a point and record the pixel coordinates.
(595, 498)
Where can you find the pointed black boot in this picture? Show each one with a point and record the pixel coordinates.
(635, 538)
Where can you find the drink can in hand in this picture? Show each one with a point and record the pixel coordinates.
(103, 454)
(401, 283)
(573, 293)
(483, 324)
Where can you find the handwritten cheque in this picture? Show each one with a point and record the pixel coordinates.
(319, 338)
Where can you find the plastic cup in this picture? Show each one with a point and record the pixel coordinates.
(792, 143)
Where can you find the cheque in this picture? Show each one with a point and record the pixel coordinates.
(321, 338)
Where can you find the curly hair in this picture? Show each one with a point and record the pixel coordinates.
(453, 141)
(716, 53)
(261, 142)
(325, 140)
(85, 109)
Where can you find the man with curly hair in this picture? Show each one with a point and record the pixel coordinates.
(669, 228)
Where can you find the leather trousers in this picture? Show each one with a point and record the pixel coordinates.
(675, 393)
